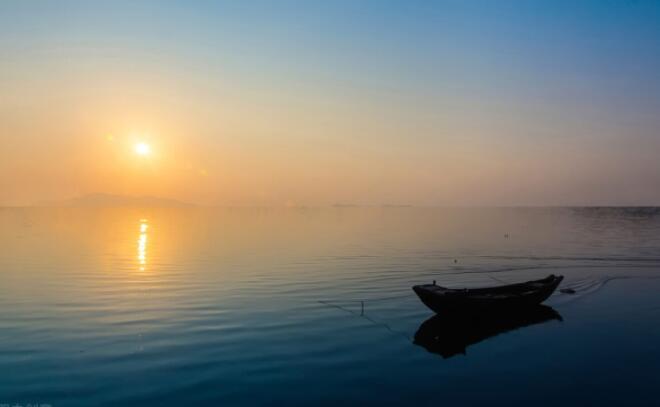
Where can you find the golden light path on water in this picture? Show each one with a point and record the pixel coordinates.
(142, 244)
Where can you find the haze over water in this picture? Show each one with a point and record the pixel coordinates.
(195, 306)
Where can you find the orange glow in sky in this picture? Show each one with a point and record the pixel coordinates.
(279, 111)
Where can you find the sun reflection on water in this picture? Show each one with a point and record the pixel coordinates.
(142, 244)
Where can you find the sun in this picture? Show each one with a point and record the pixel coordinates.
(142, 149)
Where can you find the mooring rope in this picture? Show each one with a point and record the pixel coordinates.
(362, 314)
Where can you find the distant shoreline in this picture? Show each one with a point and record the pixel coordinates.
(152, 202)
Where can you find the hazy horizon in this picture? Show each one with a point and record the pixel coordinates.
(114, 200)
(447, 103)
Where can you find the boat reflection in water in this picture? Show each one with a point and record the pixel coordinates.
(450, 334)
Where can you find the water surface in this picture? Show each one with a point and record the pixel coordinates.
(188, 306)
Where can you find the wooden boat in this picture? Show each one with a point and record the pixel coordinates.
(450, 333)
(526, 294)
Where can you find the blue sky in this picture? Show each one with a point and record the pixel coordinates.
(540, 84)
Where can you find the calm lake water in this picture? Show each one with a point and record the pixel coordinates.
(174, 307)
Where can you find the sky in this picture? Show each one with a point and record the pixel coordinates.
(318, 103)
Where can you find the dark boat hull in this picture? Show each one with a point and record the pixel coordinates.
(440, 299)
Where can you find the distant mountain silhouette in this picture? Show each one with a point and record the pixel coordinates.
(101, 200)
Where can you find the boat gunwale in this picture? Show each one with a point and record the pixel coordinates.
(512, 289)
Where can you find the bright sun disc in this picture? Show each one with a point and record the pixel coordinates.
(142, 148)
